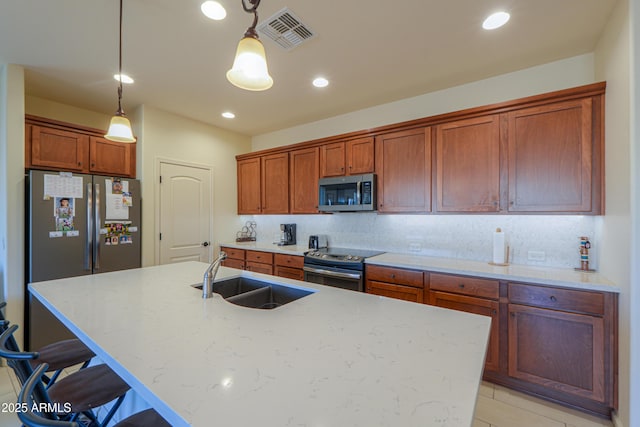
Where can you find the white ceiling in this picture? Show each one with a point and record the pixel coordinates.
(373, 52)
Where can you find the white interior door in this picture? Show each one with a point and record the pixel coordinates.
(185, 213)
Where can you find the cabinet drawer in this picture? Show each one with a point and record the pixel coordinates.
(293, 261)
(395, 275)
(462, 285)
(233, 253)
(557, 298)
(258, 256)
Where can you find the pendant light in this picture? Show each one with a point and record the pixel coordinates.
(249, 69)
(120, 126)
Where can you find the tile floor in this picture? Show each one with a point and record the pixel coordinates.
(496, 407)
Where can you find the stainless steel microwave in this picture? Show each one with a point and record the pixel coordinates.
(347, 193)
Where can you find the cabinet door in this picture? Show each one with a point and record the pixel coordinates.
(112, 158)
(550, 158)
(304, 180)
(468, 165)
(59, 149)
(407, 293)
(360, 154)
(477, 306)
(275, 184)
(289, 272)
(403, 165)
(558, 350)
(257, 267)
(249, 186)
(233, 263)
(332, 160)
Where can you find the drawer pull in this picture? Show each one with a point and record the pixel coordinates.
(461, 285)
(552, 298)
(393, 276)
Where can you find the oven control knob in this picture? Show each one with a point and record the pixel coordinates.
(355, 258)
(325, 256)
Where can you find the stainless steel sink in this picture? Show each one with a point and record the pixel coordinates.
(256, 293)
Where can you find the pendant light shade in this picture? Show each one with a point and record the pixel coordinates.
(249, 69)
(120, 130)
(120, 126)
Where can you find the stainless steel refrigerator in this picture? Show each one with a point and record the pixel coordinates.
(76, 225)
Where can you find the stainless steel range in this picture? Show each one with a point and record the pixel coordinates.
(338, 267)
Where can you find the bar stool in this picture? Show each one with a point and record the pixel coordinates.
(58, 355)
(82, 391)
(33, 387)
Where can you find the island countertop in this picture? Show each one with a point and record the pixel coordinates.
(331, 359)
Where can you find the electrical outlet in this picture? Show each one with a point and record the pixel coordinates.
(535, 255)
(415, 247)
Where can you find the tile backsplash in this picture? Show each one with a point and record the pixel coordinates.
(545, 240)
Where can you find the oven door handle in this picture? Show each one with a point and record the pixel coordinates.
(356, 276)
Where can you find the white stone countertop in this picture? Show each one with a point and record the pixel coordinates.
(334, 358)
(268, 247)
(551, 276)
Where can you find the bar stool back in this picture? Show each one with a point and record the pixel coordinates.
(84, 390)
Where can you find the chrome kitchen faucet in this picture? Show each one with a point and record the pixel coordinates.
(210, 274)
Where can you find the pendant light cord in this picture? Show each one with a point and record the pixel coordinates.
(251, 31)
(120, 112)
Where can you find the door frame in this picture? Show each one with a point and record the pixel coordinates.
(156, 189)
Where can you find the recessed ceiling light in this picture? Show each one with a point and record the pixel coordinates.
(125, 79)
(320, 82)
(496, 20)
(228, 115)
(213, 10)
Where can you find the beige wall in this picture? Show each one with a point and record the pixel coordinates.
(557, 75)
(167, 136)
(12, 192)
(65, 113)
(612, 61)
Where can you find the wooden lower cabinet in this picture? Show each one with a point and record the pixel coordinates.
(475, 305)
(559, 344)
(289, 266)
(258, 267)
(235, 257)
(557, 350)
(396, 283)
(390, 290)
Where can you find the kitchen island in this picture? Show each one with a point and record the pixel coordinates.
(332, 358)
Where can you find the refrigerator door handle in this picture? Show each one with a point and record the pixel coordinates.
(96, 227)
(88, 244)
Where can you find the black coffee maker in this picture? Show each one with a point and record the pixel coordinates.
(287, 234)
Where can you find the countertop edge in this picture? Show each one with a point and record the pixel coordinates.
(518, 273)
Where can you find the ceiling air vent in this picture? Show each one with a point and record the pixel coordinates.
(285, 29)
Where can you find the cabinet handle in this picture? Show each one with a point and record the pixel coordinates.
(79, 163)
(461, 285)
(553, 298)
(494, 311)
(93, 165)
(393, 276)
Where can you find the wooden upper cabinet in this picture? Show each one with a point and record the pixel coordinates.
(468, 165)
(551, 158)
(109, 157)
(353, 157)
(59, 146)
(57, 149)
(275, 184)
(249, 179)
(403, 165)
(303, 173)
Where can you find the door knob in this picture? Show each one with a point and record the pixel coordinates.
(205, 244)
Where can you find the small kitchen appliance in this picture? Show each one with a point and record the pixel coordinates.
(318, 241)
(287, 234)
(337, 267)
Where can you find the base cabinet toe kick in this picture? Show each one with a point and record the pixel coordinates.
(551, 342)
